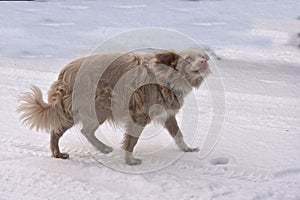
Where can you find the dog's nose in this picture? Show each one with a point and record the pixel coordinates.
(203, 61)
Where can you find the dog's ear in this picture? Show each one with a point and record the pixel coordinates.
(206, 56)
(167, 58)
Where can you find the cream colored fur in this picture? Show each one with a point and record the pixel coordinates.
(119, 88)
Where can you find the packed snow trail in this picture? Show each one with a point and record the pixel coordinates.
(257, 156)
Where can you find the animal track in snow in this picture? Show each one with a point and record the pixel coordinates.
(77, 153)
(219, 161)
(287, 172)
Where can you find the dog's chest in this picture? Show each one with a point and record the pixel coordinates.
(159, 115)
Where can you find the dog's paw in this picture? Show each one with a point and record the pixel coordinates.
(130, 160)
(189, 149)
(107, 149)
(133, 161)
(61, 155)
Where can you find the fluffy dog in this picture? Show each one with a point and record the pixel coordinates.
(118, 88)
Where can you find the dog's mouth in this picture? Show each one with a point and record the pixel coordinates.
(201, 70)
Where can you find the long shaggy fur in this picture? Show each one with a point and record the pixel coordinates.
(38, 114)
(150, 86)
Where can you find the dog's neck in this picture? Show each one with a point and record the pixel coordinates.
(178, 93)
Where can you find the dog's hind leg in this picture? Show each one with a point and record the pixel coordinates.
(90, 136)
(54, 144)
(174, 130)
(89, 132)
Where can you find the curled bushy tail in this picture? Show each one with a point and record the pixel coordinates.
(36, 113)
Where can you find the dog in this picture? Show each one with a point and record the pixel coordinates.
(133, 89)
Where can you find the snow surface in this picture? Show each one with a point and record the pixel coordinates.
(258, 154)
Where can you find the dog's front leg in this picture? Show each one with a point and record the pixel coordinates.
(132, 135)
(172, 126)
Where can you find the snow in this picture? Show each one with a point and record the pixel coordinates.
(258, 153)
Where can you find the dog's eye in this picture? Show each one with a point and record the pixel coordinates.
(189, 59)
(206, 57)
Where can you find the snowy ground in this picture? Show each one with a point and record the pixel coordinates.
(258, 155)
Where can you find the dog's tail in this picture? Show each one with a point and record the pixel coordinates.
(36, 113)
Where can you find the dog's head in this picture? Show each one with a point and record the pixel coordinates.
(191, 63)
